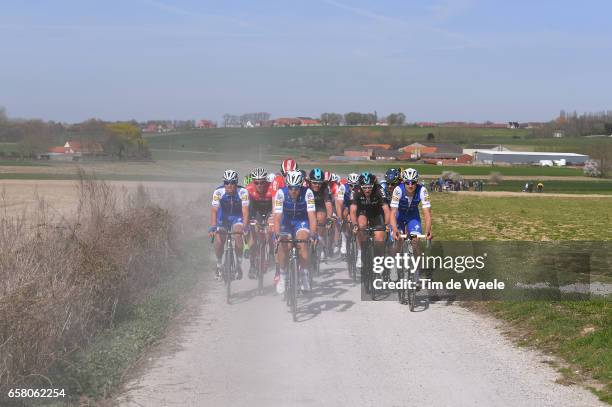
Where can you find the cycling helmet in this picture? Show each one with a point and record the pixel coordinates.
(366, 178)
(247, 179)
(410, 174)
(294, 179)
(327, 176)
(259, 173)
(335, 177)
(353, 178)
(271, 177)
(230, 176)
(316, 175)
(288, 165)
(392, 176)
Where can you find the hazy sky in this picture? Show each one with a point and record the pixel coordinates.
(433, 60)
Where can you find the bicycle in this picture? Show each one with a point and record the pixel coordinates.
(407, 294)
(260, 238)
(367, 249)
(351, 251)
(229, 261)
(292, 282)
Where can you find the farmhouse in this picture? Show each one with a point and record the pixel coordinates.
(527, 157)
(73, 151)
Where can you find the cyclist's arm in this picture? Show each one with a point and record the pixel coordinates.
(339, 201)
(277, 210)
(311, 211)
(214, 208)
(387, 213)
(395, 198)
(244, 197)
(354, 214)
(426, 205)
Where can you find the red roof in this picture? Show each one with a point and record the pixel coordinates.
(60, 150)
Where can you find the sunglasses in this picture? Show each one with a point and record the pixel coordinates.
(367, 187)
(259, 182)
(293, 188)
(316, 182)
(410, 183)
(230, 182)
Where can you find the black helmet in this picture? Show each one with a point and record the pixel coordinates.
(366, 178)
(392, 176)
(316, 175)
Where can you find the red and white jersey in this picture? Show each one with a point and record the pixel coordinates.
(333, 189)
(278, 183)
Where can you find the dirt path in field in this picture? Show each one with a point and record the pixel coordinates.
(342, 352)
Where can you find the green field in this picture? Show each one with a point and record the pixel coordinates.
(566, 187)
(457, 217)
(248, 141)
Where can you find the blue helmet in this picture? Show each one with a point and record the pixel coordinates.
(366, 178)
(316, 175)
(392, 176)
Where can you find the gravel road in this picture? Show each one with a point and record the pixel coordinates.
(341, 352)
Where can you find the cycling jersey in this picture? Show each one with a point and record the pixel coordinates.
(408, 217)
(259, 204)
(344, 195)
(333, 189)
(294, 212)
(372, 207)
(321, 197)
(229, 206)
(278, 183)
(388, 188)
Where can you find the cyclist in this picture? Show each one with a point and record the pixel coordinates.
(247, 180)
(392, 179)
(322, 197)
(405, 217)
(286, 166)
(343, 204)
(369, 208)
(294, 215)
(260, 208)
(230, 205)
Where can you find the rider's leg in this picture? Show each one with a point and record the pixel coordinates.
(304, 233)
(281, 259)
(343, 231)
(362, 221)
(237, 228)
(321, 219)
(219, 240)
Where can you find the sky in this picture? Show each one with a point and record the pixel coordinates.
(434, 60)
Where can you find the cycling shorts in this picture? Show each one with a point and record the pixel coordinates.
(409, 225)
(293, 226)
(229, 221)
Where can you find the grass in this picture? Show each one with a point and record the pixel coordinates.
(457, 217)
(426, 169)
(567, 187)
(96, 372)
(578, 331)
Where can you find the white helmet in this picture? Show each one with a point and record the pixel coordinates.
(271, 177)
(294, 179)
(352, 179)
(259, 173)
(230, 175)
(335, 177)
(410, 174)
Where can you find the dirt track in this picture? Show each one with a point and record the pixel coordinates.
(342, 352)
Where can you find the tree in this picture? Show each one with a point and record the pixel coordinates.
(331, 119)
(430, 137)
(396, 119)
(125, 140)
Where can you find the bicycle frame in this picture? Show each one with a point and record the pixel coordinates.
(291, 291)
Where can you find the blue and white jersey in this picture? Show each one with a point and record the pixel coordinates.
(294, 210)
(408, 207)
(344, 194)
(229, 205)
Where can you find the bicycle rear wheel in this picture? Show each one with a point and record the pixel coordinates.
(410, 291)
(228, 270)
(261, 264)
(293, 286)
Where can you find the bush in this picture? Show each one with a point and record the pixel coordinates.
(61, 280)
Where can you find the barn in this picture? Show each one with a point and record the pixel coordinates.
(526, 157)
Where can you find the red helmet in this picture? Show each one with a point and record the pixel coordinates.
(327, 176)
(288, 165)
